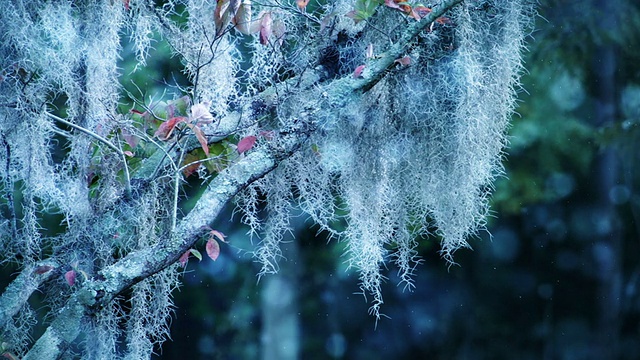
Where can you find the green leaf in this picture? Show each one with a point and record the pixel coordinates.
(196, 253)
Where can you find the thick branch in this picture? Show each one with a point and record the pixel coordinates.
(20, 289)
(376, 68)
(143, 263)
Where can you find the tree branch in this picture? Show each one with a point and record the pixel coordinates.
(138, 265)
(21, 288)
(376, 68)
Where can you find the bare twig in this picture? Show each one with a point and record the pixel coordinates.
(88, 132)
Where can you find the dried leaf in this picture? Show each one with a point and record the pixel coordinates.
(246, 144)
(191, 164)
(326, 20)
(443, 20)
(70, 276)
(131, 139)
(8, 355)
(267, 134)
(213, 249)
(43, 269)
(358, 71)
(279, 29)
(166, 128)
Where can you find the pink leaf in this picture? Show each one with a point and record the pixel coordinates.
(302, 4)
(200, 114)
(70, 276)
(246, 144)
(132, 140)
(403, 61)
(358, 71)
(184, 258)
(128, 153)
(392, 4)
(213, 249)
(218, 234)
(265, 28)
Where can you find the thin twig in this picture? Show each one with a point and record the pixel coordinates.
(86, 131)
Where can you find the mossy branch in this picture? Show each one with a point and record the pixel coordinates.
(18, 292)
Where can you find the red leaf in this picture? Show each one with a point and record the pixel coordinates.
(43, 269)
(166, 128)
(246, 144)
(358, 71)
(184, 258)
(213, 249)
(217, 234)
(202, 139)
(70, 276)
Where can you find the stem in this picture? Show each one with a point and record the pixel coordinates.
(86, 131)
